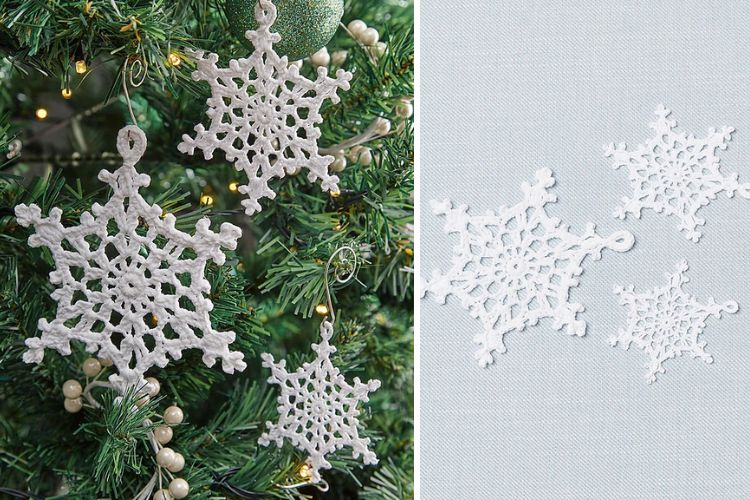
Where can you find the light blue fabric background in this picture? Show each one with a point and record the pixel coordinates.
(511, 86)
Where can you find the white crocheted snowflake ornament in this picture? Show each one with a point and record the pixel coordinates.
(666, 321)
(675, 173)
(318, 407)
(516, 266)
(131, 296)
(264, 114)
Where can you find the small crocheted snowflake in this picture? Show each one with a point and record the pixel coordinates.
(264, 114)
(516, 266)
(318, 408)
(131, 296)
(675, 173)
(666, 321)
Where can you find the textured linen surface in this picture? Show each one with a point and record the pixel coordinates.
(508, 88)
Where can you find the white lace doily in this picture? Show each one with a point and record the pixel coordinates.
(264, 114)
(514, 267)
(318, 407)
(133, 298)
(666, 321)
(675, 173)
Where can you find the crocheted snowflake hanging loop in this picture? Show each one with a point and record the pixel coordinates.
(264, 114)
(318, 408)
(666, 321)
(675, 173)
(515, 266)
(131, 286)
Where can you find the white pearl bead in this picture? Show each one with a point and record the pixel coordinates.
(339, 164)
(177, 464)
(365, 157)
(163, 434)
(164, 457)
(142, 400)
(404, 110)
(153, 387)
(382, 126)
(321, 58)
(179, 488)
(378, 49)
(356, 27)
(338, 57)
(296, 63)
(163, 494)
(91, 367)
(105, 362)
(173, 415)
(73, 405)
(72, 389)
(370, 36)
(354, 153)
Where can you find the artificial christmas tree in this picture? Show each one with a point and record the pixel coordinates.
(74, 73)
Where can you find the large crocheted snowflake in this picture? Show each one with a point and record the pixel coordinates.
(318, 408)
(675, 173)
(133, 296)
(516, 266)
(264, 114)
(666, 321)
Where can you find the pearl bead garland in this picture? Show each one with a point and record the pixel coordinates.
(179, 488)
(404, 110)
(369, 37)
(72, 389)
(339, 164)
(321, 57)
(339, 57)
(173, 415)
(73, 405)
(165, 456)
(153, 386)
(163, 495)
(356, 27)
(178, 463)
(163, 434)
(91, 367)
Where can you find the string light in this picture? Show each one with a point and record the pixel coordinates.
(81, 67)
(41, 113)
(335, 194)
(174, 59)
(67, 93)
(207, 199)
(321, 309)
(234, 186)
(305, 472)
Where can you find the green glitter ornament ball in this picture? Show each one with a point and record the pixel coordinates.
(304, 25)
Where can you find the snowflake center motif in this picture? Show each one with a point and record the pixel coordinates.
(666, 322)
(131, 285)
(516, 266)
(318, 408)
(675, 173)
(264, 114)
